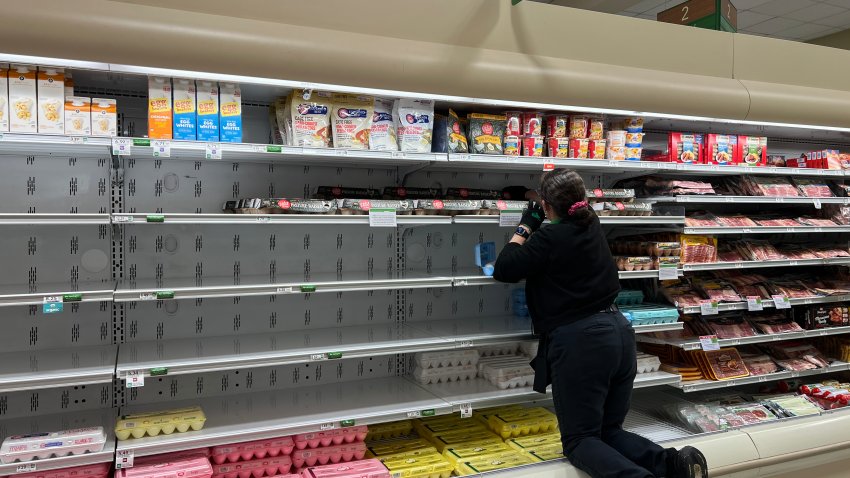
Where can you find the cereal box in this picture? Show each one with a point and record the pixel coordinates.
(230, 113)
(104, 117)
(207, 103)
(4, 98)
(22, 104)
(51, 101)
(159, 108)
(77, 115)
(185, 120)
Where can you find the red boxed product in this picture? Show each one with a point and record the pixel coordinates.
(579, 148)
(721, 149)
(559, 147)
(532, 123)
(512, 125)
(532, 146)
(686, 148)
(596, 149)
(556, 126)
(825, 159)
(796, 163)
(752, 150)
(579, 126)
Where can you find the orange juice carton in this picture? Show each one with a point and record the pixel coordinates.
(4, 97)
(23, 114)
(207, 93)
(185, 121)
(77, 115)
(51, 100)
(230, 113)
(104, 117)
(159, 107)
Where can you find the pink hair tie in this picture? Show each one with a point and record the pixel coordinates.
(576, 206)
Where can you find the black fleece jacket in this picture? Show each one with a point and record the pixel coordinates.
(569, 272)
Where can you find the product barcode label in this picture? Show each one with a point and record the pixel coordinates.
(465, 410)
(327, 426)
(414, 414)
(161, 148)
(709, 307)
(781, 302)
(754, 303)
(397, 155)
(121, 146)
(315, 357)
(286, 290)
(123, 459)
(25, 468)
(668, 272)
(709, 342)
(213, 151)
(79, 139)
(134, 379)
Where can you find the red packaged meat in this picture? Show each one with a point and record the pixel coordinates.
(717, 290)
(756, 250)
(698, 249)
(770, 186)
(760, 364)
(735, 221)
(777, 323)
(701, 220)
(814, 221)
(731, 327)
(813, 188)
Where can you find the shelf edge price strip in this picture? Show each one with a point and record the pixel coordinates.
(123, 459)
(709, 307)
(709, 342)
(754, 303)
(781, 302)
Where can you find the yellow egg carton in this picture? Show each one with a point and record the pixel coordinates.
(500, 461)
(138, 425)
(467, 451)
(430, 430)
(382, 431)
(419, 465)
(377, 450)
(445, 440)
(530, 421)
(484, 415)
(553, 451)
(532, 442)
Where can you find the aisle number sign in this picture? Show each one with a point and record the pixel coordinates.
(718, 15)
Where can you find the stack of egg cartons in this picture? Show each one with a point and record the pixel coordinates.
(172, 465)
(252, 459)
(530, 431)
(336, 446)
(355, 469)
(506, 371)
(97, 470)
(40, 446)
(445, 366)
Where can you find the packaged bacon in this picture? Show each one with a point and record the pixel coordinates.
(777, 323)
(730, 327)
(725, 364)
(813, 188)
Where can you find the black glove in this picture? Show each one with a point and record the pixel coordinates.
(533, 216)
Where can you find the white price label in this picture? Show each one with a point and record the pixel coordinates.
(781, 302)
(459, 157)
(263, 219)
(122, 218)
(25, 468)
(414, 414)
(286, 290)
(465, 344)
(52, 299)
(817, 203)
(213, 151)
(123, 459)
(398, 155)
(79, 139)
(161, 148)
(754, 303)
(134, 379)
(708, 307)
(509, 218)
(327, 426)
(147, 296)
(315, 357)
(341, 152)
(121, 146)
(382, 218)
(709, 342)
(465, 410)
(461, 283)
(668, 272)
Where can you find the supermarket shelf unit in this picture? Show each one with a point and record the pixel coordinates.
(756, 339)
(699, 385)
(177, 307)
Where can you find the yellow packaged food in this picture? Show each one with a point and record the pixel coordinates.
(467, 451)
(532, 442)
(528, 422)
(401, 446)
(553, 451)
(419, 466)
(153, 423)
(381, 431)
(428, 430)
(487, 463)
(456, 438)
(484, 415)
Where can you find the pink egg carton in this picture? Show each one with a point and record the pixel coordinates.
(252, 449)
(326, 438)
(173, 456)
(253, 468)
(97, 470)
(329, 454)
(371, 468)
(190, 467)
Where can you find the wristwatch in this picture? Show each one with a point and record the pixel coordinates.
(522, 232)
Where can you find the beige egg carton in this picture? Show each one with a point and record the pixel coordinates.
(166, 422)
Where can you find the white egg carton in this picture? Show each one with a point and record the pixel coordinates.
(508, 373)
(496, 350)
(446, 358)
(647, 363)
(428, 376)
(501, 360)
(529, 347)
(46, 445)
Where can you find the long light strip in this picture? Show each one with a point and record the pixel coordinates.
(253, 80)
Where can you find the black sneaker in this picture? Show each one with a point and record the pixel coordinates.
(690, 463)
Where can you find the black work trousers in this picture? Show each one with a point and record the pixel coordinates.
(592, 366)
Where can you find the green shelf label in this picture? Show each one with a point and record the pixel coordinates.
(72, 297)
(155, 218)
(165, 294)
(274, 149)
(308, 288)
(428, 413)
(141, 142)
(346, 423)
(155, 372)
(334, 355)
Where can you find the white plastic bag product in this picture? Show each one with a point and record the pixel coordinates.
(382, 136)
(415, 120)
(309, 119)
(351, 121)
